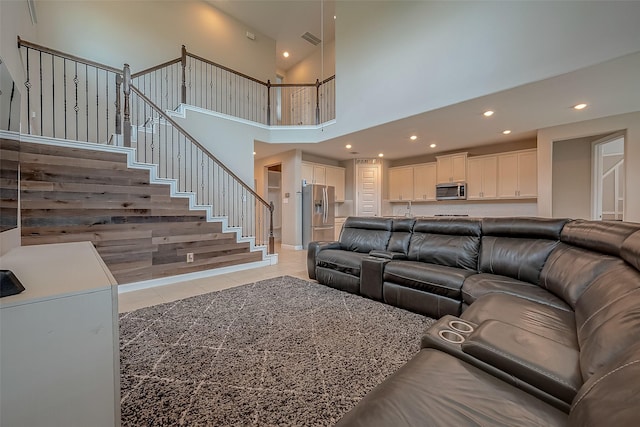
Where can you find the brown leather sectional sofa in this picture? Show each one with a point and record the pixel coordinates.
(539, 319)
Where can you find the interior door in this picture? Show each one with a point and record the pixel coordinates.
(368, 188)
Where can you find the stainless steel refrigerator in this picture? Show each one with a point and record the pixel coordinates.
(318, 213)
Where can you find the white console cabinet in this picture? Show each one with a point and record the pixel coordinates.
(59, 359)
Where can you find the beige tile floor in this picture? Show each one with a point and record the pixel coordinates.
(290, 262)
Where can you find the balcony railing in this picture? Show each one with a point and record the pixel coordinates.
(197, 81)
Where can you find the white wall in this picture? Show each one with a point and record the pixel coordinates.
(147, 33)
(230, 141)
(309, 69)
(571, 169)
(627, 122)
(14, 21)
(437, 51)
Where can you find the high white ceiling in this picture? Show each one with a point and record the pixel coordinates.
(285, 22)
(609, 88)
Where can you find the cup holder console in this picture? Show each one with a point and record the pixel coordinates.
(448, 334)
(451, 336)
(460, 326)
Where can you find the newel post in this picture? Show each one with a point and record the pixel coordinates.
(118, 105)
(272, 245)
(126, 89)
(183, 62)
(268, 102)
(317, 102)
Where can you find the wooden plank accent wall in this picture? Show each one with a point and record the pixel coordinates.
(141, 232)
(8, 183)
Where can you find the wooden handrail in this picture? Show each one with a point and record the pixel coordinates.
(24, 43)
(197, 144)
(199, 58)
(156, 68)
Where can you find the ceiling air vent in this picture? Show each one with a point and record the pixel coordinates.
(311, 38)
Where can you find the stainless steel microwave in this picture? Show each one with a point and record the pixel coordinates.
(451, 191)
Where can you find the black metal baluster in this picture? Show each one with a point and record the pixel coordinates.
(76, 108)
(107, 103)
(97, 110)
(86, 95)
(53, 94)
(28, 86)
(64, 71)
(41, 112)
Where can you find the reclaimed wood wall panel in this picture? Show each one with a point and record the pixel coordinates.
(9, 156)
(139, 230)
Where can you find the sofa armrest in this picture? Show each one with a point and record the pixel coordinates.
(387, 254)
(312, 252)
(371, 277)
(545, 364)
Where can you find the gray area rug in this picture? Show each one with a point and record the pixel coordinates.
(279, 352)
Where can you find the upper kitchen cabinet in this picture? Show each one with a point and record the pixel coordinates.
(451, 168)
(401, 183)
(335, 177)
(424, 182)
(517, 175)
(316, 173)
(482, 177)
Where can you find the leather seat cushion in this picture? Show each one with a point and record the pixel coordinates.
(343, 261)
(432, 278)
(436, 389)
(542, 319)
(481, 284)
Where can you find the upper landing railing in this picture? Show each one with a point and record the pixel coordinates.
(193, 80)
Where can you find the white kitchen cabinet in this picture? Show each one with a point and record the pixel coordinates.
(452, 168)
(319, 174)
(401, 183)
(335, 176)
(482, 177)
(307, 172)
(316, 173)
(517, 175)
(59, 359)
(424, 182)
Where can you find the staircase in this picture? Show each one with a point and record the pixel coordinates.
(141, 226)
(102, 162)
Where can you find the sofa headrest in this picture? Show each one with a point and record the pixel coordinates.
(630, 250)
(451, 226)
(403, 224)
(532, 228)
(606, 237)
(369, 223)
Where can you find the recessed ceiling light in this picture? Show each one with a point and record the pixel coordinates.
(254, 153)
(506, 132)
(433, 145)
(488, 113)
(285, 54)
(348, 146)
(413, 137)
(580, 106)
(380, 155)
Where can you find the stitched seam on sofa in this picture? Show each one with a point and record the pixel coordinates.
(436, 285)
(527, 365)
(600, 379)
(588, 319)
(524, 297)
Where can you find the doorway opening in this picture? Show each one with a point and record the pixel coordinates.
(608, 178)
(274, 195)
